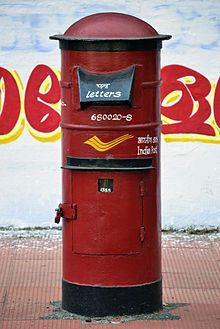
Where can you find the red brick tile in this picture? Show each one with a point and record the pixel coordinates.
(5, 263)
(190, 261)
(196, 316)
(2, 294)
(182, 324)
(179, 295)
(29, 303)
(33, 294)
(29, 311)
(31, 278)
(39, 250)
(38, 254)
(41, 324)
(188, 280)
(200, 312)
(36, 273)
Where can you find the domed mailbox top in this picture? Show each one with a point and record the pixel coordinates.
(110, 32)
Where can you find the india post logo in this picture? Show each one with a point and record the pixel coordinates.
(100, 146)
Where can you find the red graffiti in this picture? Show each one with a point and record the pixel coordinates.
(189, 114)
(217, 104)
(11, 118)
(42, 91)
(39, 107)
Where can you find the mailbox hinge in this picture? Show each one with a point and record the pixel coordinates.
(142, 233)
(142, 188)
(67, 211)
(65, 84)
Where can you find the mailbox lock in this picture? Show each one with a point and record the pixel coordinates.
(59, 214)
(67, 211)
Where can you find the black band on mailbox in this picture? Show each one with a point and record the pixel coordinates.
(108, 164)
(132, 44)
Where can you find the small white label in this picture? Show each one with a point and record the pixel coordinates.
(111, 117)
(105, 189)
(102, 85)
(143, 147)
(103, 94)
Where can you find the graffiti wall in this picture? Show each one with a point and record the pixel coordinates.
(189, 105)
(30, 107)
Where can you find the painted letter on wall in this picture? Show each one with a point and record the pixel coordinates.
(42, 97)
(187, 107)
(11, 106)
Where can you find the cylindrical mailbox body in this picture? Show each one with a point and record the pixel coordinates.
(110, 120)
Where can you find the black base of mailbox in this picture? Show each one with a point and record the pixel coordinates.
(106, 301)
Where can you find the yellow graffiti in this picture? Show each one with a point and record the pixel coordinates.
(100, 146)
(172, 98)
(44, 137)
(20, 124)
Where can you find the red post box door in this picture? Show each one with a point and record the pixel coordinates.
(109, 212)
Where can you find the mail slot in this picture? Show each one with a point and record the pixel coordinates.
(106, 89)
(110, 120)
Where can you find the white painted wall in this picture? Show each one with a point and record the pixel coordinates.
(30, 170)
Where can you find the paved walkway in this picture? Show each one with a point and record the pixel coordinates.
(30, 278)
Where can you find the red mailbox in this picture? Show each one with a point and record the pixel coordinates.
(110, 120)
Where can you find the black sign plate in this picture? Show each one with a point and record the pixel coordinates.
(114, 88)
(105, 185)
